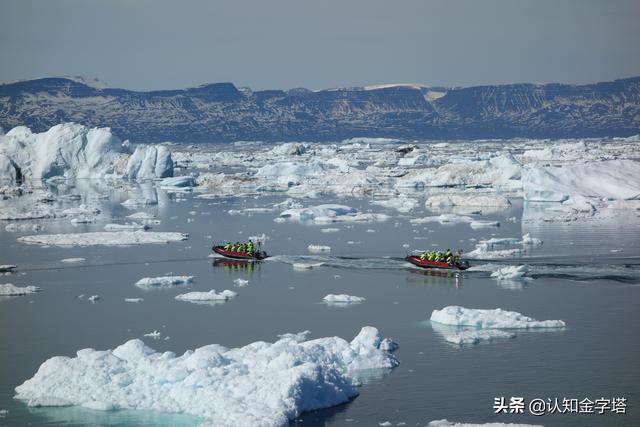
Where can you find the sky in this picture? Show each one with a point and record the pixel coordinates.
(282, 44)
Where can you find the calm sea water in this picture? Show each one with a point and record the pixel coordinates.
(587, 275)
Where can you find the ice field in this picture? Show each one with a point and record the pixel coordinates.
(116, 313)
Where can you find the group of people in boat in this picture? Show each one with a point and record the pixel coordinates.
(247, 247)
(439, 256)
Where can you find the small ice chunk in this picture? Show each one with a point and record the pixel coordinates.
(154, 334)
(163, 281)
(73, 260)
(241, 282)
(511, 272)
(530, 241)
(329, 230)
(94, 298)
(133, 300)
(207, 296)
(343, 298)
(9, 289)
(7, 268)
(315, 249)
(297, 337)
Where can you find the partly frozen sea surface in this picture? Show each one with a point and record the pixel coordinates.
(585, 273)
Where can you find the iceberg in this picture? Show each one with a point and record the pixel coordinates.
(103, 238)
(262, 384)
(611, 179)
(342, 298)
(212, 295)
(490, 319)
(163, 281)
(9, 289)
(74, 151)
(401, 204)
(149, 162)
(328, 213)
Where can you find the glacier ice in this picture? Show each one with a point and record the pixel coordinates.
(261, 384)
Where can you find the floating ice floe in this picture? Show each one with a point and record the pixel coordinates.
(261, 384)
(512, 272)
(94, 298)
(443, 219)
(530, 241)
(241, 282)
(154, 334)
(401, 204)
(104, 238)
(318, 249)
(134, 300)
(343, 299)
(331, 213)
(14, 227)
(163, 281)
(490, 319)
(467, 199)
(73, 260)
(9, 289)
(7, 268)
(447, 423)
(211, 295)
(330, 230)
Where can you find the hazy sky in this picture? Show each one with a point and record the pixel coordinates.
(269, 44)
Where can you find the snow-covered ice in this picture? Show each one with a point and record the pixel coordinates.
(9, 289)
(211, 295)
(342, 298)
(261, 384)
(163, 281)
(490, 319)
(104, 238)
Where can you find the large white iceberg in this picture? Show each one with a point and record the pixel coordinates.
(261, 384)
(331, 213)
(490, 319)
(612, 179)
(71, 150)
(103, 238)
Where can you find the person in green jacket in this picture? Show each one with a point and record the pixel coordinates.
(250, 247)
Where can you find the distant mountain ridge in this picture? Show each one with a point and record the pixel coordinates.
(221, 112)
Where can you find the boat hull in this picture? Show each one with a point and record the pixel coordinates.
(239, 255)
(415, 260)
